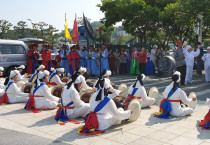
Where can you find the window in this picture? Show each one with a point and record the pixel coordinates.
(12, 49)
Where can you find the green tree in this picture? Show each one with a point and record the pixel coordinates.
(41, 26)
(51, 35)
(20, 29)
(5, 28)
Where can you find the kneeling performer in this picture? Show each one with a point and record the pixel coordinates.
(55, 78)
(103, 112)
(12, 93)
(72, 105)
(42, 98)
(171, 104)
(137, 91)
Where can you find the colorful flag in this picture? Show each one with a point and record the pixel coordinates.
(67, 34)
(75, 35)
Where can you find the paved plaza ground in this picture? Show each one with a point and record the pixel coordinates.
(21, 127)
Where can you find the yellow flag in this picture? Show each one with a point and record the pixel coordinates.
(67, 34)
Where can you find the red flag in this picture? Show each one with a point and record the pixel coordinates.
(75, 35)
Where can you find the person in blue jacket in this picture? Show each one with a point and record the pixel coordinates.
(64, 55)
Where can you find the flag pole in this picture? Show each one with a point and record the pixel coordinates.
(64, 30)
(100, 48)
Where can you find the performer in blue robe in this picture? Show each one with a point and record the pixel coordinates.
(64, 55)
(150, 68)
(92, 61)
(104, 59)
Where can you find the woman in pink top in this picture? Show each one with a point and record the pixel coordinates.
(134, 70)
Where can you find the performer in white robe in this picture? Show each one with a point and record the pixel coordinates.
(12, 93)
(137, 91)
(2, 86)
(54, 79)
(189, 59)
(106, 75)
(108, 114)
(81, 71)
(22, 77)
(35, 75)
(74, 106)
(42, 98)
(206, 59)
(174, 95)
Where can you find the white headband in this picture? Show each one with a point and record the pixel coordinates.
(41, 67)
(13, 73)
(60, 70)
(179, 74)
(21, 67)
(208, 47)
(43, 74)
(188, 47)
(108, 73)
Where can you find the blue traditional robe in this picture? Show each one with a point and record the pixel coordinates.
(92, 64)
(104, 60)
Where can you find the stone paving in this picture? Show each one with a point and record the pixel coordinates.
(146, 130)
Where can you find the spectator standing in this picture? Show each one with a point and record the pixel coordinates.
(122, 60)
(134, 69)
(153, 54)
(64, 55)
(117, 62)
(142, 61)
(150, 68)
(158, 56)
(128, 61)
(111, 61)
(180, 61)
(206, 59)
(165, 52)
(199, 60)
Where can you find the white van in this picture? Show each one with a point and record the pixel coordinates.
(12, 53)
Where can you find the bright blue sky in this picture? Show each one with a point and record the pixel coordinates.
(49, 11)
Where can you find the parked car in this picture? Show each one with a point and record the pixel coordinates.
(12, 54)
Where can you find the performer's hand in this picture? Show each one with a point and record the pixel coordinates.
(120, 93)
(183, 57)
(59, 100)
(94, 89)
(194, 99)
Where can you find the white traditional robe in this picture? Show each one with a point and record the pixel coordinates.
(145, 101)
(2, 87)
(109, 115)
(56, 79)
(189, 59)
(206, 59)
(84, 84)
(22, 77)
(114, 91)
(15, 95)
(48, 101)
(80, 108)
(179, 94)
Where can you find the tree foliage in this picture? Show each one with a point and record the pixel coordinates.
(158, 20)
(4, 28)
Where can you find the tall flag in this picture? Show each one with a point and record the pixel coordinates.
(75, 34)
(67, 34)
(88, 27)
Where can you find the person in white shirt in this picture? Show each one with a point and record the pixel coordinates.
(189, 59)
(42, 98)
(153, 54)
(74, 106)
(12, 93)
(103, 112)
(2, 86)
(54, 79)
(174, 95)
(137, 91)
(206, 59)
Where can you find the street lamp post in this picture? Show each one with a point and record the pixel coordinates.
(200, 18)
